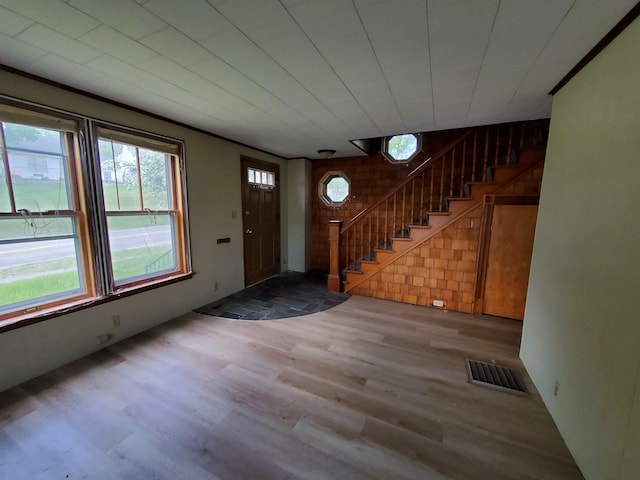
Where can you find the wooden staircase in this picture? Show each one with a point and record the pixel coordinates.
(445, 187)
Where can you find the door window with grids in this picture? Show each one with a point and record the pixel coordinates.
(261, 178)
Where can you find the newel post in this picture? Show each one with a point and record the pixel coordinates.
(333, 282)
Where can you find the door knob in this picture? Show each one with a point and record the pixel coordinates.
(249, 230)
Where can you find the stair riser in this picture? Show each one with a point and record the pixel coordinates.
(502, 176)
(478, 190)
(457, 206)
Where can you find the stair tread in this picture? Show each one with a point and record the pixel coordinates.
(495, 178)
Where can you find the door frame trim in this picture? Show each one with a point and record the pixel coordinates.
(245, 162)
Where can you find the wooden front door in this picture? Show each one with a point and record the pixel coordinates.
(509, 260)
(261, 220)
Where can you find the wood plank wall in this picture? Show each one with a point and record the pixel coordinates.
(445, 267)
(371, 178)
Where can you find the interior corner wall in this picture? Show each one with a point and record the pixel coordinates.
(299, 198)
(581, 327)
(215, 207)
(307, 216)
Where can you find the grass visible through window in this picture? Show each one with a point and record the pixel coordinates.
(53, 234)
(40, 279)
(132, 263)
(39, 286)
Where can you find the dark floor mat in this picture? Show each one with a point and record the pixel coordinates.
(285, 295)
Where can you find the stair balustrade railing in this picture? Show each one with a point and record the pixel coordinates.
(450, 172)
(162, 262)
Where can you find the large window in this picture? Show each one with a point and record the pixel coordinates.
(80, 222)
(142, 208)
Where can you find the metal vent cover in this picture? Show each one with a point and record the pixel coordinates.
(497, 377)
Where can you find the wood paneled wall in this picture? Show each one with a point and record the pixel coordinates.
(445, 267)
(527, 185)
(442, 268)
(371, 178)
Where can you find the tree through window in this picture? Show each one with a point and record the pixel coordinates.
(41, 247)
(401, 148)
(75, 225)
(334, 188)
(142, 210)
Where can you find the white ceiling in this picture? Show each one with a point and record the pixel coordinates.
(293, 76)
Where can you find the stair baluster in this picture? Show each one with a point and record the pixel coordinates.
(509, 152)
(486, 157)
(443, 176)
(475, 156)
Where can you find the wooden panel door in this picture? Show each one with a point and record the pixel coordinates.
(261, 220)
(509, 260)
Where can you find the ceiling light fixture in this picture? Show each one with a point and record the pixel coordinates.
(326, 152)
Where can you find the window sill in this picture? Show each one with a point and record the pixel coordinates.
(38, 316)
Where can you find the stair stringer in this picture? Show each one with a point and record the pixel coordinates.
(438, 223)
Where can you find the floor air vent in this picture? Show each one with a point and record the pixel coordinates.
(494, 376)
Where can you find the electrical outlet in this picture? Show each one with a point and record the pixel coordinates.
(115, 321)
(102, 339)
(438, 303)
(215, 286)
(556, 388)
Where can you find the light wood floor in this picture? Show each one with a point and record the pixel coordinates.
(369, 389)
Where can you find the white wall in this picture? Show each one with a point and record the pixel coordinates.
(213, 189)
(582, 321)
(299, 215)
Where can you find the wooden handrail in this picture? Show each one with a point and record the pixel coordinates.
(440, 153)
(425, 192)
